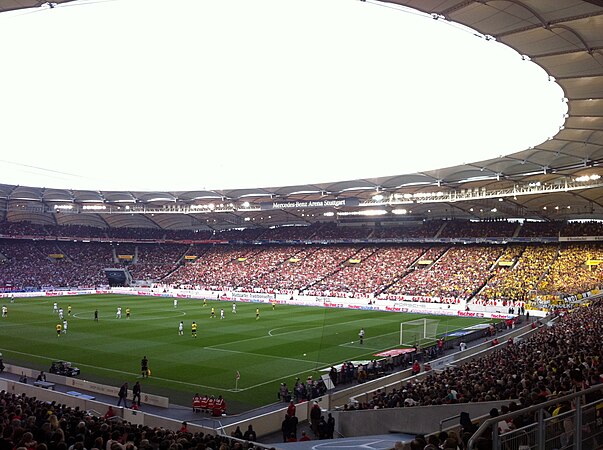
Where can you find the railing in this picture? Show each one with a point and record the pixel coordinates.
(448, 419)
(576, 425)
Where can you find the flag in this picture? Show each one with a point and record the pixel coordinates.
(238, 375)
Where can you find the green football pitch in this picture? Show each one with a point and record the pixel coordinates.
(284, 343)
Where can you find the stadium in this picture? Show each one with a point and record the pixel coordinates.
(396, 305)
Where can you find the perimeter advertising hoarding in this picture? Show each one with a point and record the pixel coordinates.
(324, 203)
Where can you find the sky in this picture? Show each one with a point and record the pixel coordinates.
(186, 95)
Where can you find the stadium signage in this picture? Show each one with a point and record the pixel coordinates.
(251, 296)
(470, 314)
(310, 204)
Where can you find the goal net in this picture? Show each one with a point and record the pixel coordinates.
(418, 332)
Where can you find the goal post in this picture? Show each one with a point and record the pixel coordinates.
(418, 332)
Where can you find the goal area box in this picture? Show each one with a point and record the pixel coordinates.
(418, 332)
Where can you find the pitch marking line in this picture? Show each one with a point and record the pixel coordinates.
(138, 318)
(195, 385)
(281, 334)
(135, 375)
(357, 345)
(265, 356)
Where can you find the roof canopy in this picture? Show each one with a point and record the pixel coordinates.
(564, 37)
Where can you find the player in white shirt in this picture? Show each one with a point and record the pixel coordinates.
(4, 311)
(118, 313)
(64, 327)
(221, 313)
(181, 328)
(55, 307)
(175, 303)
(61, 313)
(234, 308)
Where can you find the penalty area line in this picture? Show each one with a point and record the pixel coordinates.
(266, 356)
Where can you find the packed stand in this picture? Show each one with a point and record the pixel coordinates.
(30, 424)
(155, 261)
(136, 233)
(590, 228)
(370, 271)
(498, 285)
(91, 259)
(519, 282)
(292, 233)
(22, 229)
(214, 270)
(79, 231)
(30, 266)
(315, 266)
(570, 273)
(286, 278)
(540, 229)
(262, 264)
(188, 235)
(333, 231)
(427, 229)
(240, 234)
(483, 229)
(458, 274)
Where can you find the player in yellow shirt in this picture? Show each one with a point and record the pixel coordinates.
(127, 313)
(194, 329)
(213, 312)
(59, 329)
(257, 313)
(69, 310)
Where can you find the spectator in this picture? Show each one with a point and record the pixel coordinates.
(250, 434)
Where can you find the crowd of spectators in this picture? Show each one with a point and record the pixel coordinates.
(33, 265)
(293, 232)
(239, 234)
(186, 235)
(516, 282)
(458, 273)
(288, 277)
(310, 266)
(214, 270)
(22, 229)
(333, 231)
(482, 229)
(384, 270)
(78, 231)
(427, 229)
(316, 230)
(351, 271)
(533, 229)
(374, 269)
(587, 228)
(30, 424)
(154, 261)
(569, 273)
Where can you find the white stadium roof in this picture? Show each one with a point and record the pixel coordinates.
(558, 179)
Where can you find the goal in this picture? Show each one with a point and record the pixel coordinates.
(418, 332)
